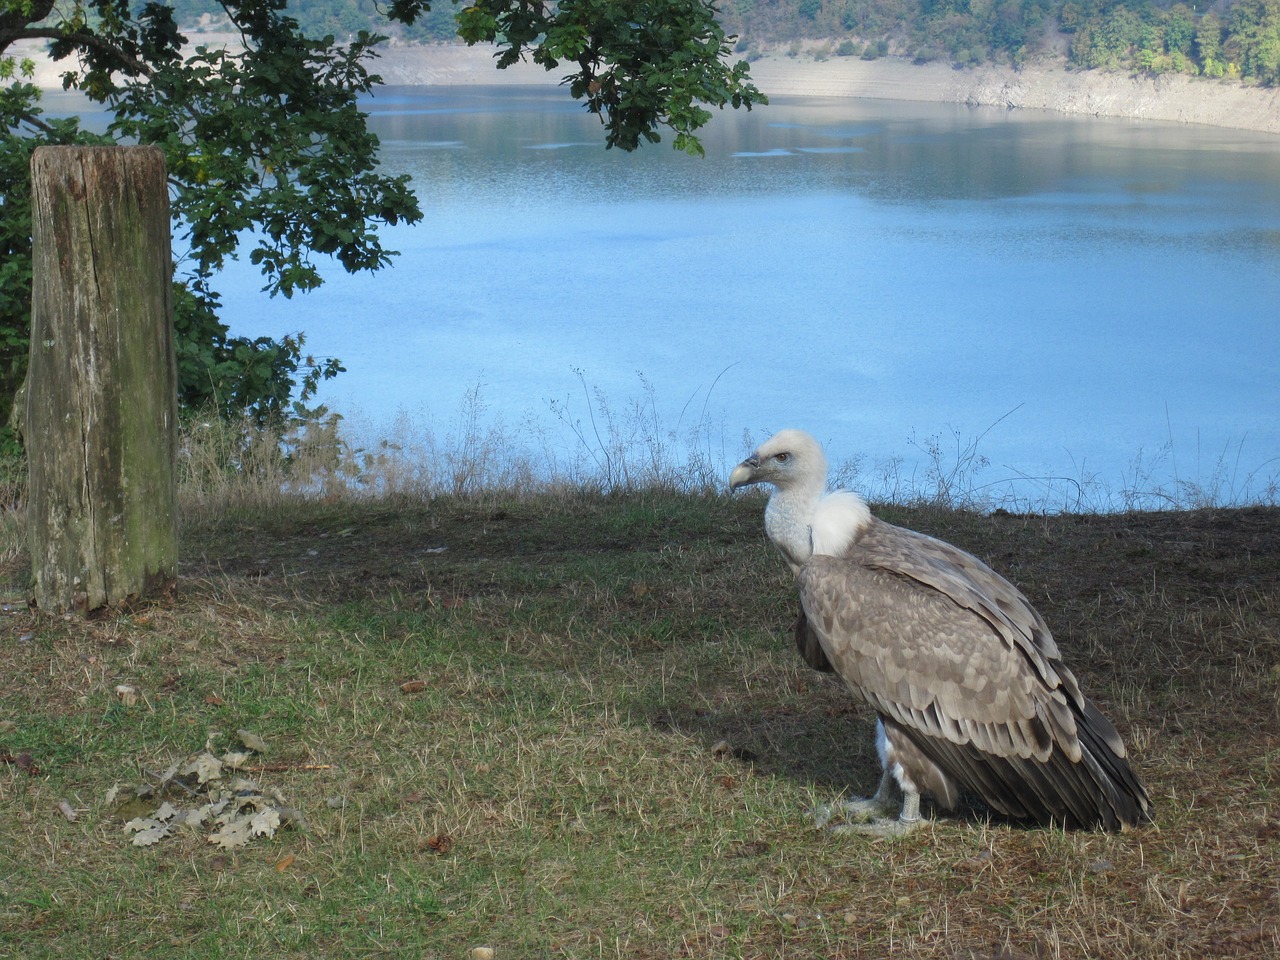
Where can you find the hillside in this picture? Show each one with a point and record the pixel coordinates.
(1233, 39)
(1226, 39)
(1043, 84)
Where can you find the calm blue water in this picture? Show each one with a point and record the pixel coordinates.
(878, 273)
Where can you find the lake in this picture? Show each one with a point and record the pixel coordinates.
(1094, 303)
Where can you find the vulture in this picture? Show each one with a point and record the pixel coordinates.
(971, 693)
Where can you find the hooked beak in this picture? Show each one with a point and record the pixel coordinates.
(744, 473)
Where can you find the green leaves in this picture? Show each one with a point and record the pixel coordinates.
(268, 140)
(642, 65)
(271, 140)
(234, 375)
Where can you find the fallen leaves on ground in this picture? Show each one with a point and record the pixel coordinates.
(200, 794)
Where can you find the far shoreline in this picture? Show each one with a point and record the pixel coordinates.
(1045, 84)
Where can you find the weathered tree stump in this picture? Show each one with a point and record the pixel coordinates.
(101, 428)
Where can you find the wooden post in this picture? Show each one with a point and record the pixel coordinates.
(101, 429)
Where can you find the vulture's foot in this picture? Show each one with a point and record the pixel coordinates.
(873, 816)
(878, 827)
(861, 809)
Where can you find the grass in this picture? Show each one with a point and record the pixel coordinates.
(613, 747)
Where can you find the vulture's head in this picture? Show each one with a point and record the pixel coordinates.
(789, 460)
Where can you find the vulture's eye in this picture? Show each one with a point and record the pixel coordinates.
(782, 457)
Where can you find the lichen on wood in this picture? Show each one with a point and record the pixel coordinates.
(101, 426)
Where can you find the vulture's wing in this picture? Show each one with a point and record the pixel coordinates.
(810, 646)
(971, 584)
(953, 656)
(927, 663)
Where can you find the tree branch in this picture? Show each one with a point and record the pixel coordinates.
(13, 23)
(83, 40)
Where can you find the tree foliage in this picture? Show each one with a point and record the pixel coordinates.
(615, 47)
(1239, 39)
(265, 139)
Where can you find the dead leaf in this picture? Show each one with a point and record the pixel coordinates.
(285, 862)
(235, 809)
(146, 831)
(68, 811)
(166, 811)
(205, 766)
(144, 838)
(236, 759)
(22, 761)
(234, 833)
(440, 842)
(127, 693)
(413, 686)
(191, 819)
(265, 823)
(252, 741)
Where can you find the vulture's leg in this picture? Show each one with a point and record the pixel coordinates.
(876, 807)
(907, 820)
(874, 815)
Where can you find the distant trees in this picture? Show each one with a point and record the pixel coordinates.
(1207, 46)
(1148, 36)
(1241, 39)
(1253, 36)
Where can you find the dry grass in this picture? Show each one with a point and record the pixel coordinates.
(614, 747)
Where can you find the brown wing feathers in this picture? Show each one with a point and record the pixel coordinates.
(810, 646)
(962, 668)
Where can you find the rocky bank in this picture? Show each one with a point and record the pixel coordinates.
(1044, 85)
